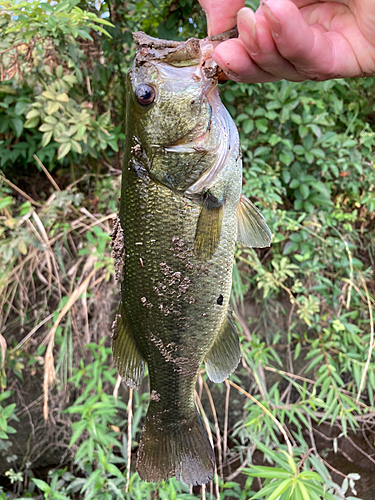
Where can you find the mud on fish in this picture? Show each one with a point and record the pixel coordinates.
(180, 215)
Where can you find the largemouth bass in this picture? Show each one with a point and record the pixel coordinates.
(181, 212)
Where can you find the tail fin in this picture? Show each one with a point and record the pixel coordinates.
(182, 450)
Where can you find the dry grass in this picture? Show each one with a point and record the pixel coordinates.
(49, 292)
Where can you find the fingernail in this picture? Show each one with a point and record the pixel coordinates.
(273, 22)
(247, 28)
(230, 73)
(209, 23)
(224, 66)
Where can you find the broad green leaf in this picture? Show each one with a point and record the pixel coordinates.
(63, 97)
(17, 125)
(42, 485)
(63, 150)
(20, 107)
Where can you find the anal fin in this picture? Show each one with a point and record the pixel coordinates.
(128, 360)
(207, 235)
(225, 354)
(252, 230)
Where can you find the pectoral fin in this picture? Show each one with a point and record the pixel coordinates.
(207, 235)
(126, 355)
(252, 230)
(225, 354)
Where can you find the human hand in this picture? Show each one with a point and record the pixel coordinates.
(294, 39)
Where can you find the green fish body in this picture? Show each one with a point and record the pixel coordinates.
(181, 212)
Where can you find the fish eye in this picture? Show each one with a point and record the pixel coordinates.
(145, 94)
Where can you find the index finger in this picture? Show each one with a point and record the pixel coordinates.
(221, 14)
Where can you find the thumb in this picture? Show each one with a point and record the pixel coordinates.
(221, 14)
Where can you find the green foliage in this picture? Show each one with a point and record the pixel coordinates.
(289, 482)
(50, 109)
(313, 175)
(7, 413)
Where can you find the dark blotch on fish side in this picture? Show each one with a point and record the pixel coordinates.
(219, 300)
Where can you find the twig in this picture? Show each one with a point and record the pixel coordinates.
(84, 211)
(291, 375)
(371, 339)
(98, 221)
(312, 439)
(130, 418)
(217, 429)
(116, 388)
(225, 437)
(49, 369)
(50, 178)
(279, 426)
(208, 429)
(26, 196)
(237, 471)
(348, 438)
(13, 47)
(3, 347)
(36, 328)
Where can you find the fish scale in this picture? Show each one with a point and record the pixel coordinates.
(173, 243)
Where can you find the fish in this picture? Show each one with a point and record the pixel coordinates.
(173, 242)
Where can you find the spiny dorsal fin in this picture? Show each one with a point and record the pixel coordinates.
(127, 358)
(225, 354)
(252, 230)
(207, 235)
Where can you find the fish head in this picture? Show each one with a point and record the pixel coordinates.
(170, 112)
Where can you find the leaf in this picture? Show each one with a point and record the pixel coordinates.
(33, 113)
(22, 247)
(63, 97)
(20, 107)
(279, 490)
(285, 174)
(42, 485)
(52, 107)
(303, 490)
(32, 122)
(248, 126)
(112, 469)
(289, 247)
(92, 479)
(105, 22)
(286, 157)
(305, 191)
(262, 125)
(46, 127)
(17, 125)
(83, 34)
(79, 428)
(62, 6)
(49, 95)
(63, 150)
(46, 138)
(267, 472)
(76, 147)
(70, 79)
(5, 202)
